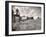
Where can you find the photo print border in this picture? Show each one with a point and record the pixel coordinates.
(7, 17)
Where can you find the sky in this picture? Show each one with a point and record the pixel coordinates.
(28, 11)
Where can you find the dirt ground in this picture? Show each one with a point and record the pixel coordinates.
(29, 24)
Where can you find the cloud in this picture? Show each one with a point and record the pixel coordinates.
(28, 11)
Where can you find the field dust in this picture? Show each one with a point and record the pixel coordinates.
(29, 24)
